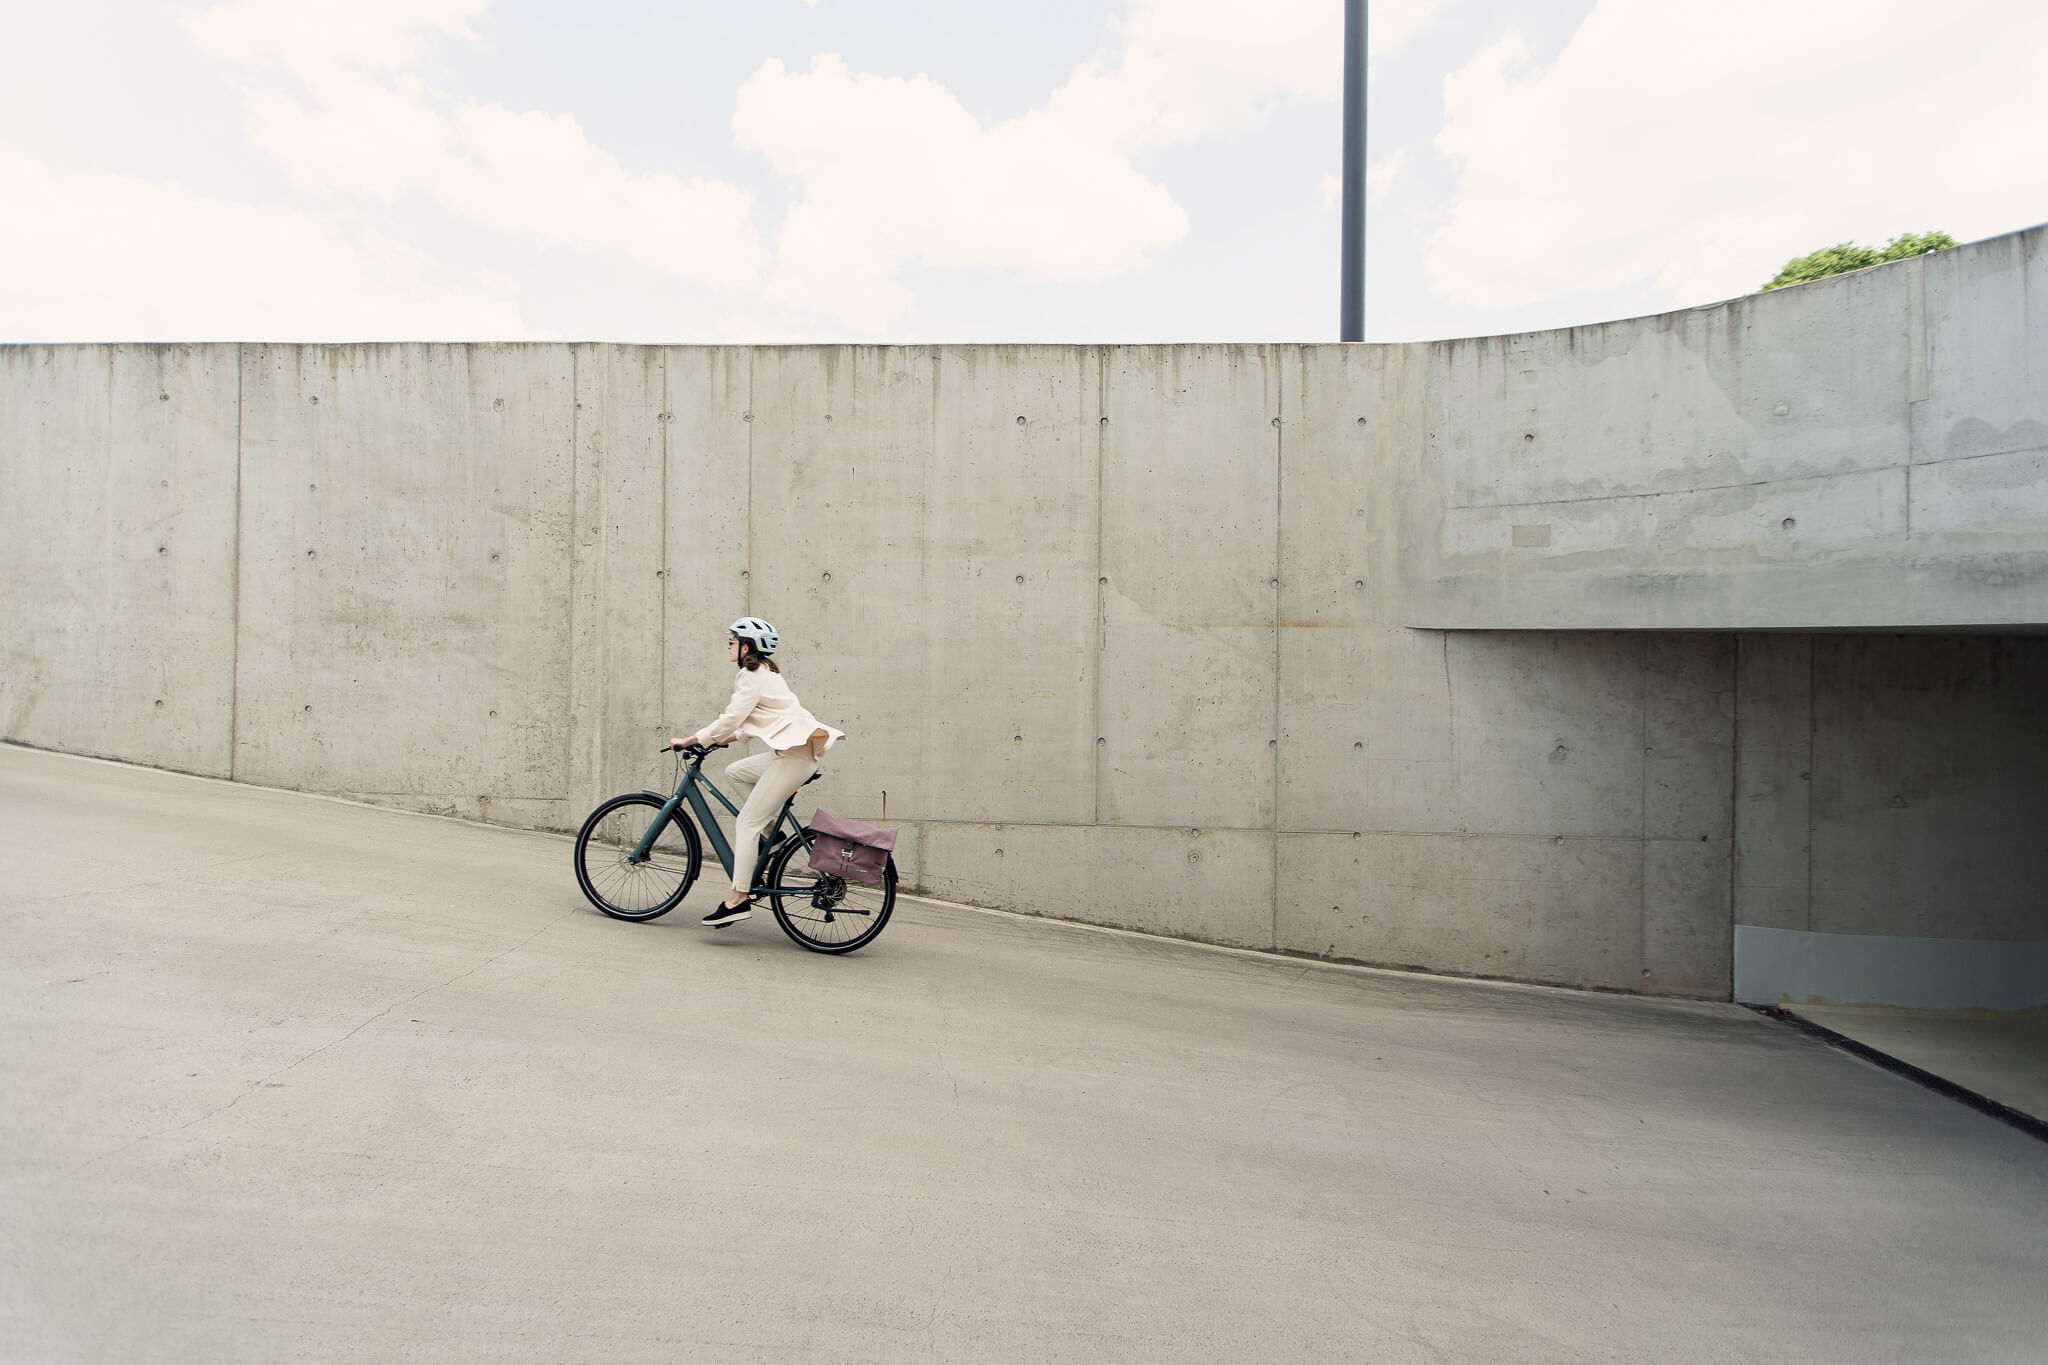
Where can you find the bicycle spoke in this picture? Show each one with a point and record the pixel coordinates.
(613, 881)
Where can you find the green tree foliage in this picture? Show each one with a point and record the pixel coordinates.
(1847, 256)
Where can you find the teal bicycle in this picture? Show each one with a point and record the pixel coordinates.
(638, 855)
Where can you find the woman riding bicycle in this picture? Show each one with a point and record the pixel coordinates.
(763, 708)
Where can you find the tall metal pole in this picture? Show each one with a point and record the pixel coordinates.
(1353, 282)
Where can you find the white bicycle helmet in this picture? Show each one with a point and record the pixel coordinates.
(757, 633)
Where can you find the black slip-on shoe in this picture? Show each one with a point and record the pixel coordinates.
(727, 914)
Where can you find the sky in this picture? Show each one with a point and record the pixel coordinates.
(898, 171)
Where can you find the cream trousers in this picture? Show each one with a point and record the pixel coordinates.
(769, 780)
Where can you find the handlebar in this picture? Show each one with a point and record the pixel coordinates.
(690, 751)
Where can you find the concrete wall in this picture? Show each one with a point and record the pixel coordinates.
(1868, 451)
(117, 551)
(1122, 632)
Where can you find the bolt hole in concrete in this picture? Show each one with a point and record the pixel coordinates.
(1020, 421)
(1361, 421)
(309, 554)
(1016, 739)
(1020, 578)
(315, 400)
(1788, 523)
(159, 701)
(1276, 421)
(1782, 408)
(1528, 436)
(498, 405)
(827, 578)
(159, 549)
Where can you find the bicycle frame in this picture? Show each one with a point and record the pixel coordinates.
(691, 789)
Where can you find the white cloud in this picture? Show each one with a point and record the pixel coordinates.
(894, 171)
(1379, 178)
(372, 35)
(1197, 67)
(1693, 148)
(1189, 68)
(1393, 22)
(91, 257)
(358, 124)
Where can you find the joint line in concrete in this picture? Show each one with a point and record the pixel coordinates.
(235, 588)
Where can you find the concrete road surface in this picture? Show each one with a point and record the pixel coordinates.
(289, 1079)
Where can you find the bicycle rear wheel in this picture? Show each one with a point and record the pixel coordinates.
(827, 914)
(628, 890)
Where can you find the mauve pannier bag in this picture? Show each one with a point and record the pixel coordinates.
(849, 849)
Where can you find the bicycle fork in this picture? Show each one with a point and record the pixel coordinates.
(644, 850)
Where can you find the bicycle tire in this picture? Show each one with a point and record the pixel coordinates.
(629, 891)
(851, 915)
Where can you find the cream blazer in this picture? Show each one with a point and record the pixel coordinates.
(763, 708)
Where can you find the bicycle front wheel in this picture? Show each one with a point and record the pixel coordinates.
(827, 914)
(636, 891)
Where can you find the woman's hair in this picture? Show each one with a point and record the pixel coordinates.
(752, 658)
